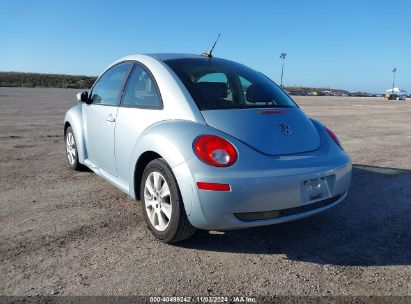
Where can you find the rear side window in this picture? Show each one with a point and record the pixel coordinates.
(107, 89)
(221, 84)
(141, 90)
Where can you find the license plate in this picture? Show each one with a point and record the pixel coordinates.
(315, 189)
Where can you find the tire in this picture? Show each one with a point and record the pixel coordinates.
(71, 150)
(162, 204)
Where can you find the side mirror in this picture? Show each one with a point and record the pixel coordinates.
(82, 96)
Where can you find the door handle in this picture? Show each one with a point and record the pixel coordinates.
(110, 118)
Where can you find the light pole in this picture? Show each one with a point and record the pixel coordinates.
(282, 56)
(393, 81)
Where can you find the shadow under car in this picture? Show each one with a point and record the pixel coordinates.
(371, 227)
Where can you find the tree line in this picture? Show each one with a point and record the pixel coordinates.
(37, 80)
(40, 80)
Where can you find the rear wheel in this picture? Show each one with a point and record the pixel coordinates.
(163, 205)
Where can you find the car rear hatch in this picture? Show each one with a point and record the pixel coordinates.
(271, 131)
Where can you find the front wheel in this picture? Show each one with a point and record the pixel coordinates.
(71, 150)
(163, 205)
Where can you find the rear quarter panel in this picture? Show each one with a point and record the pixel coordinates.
(173, 141)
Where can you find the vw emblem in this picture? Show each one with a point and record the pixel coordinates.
(285, 129)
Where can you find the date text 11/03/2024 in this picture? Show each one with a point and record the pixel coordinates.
(201, 299)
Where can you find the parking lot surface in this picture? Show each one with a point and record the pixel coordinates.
(72, 233)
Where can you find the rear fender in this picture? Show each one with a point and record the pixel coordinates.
(173, 141)
(324, 137)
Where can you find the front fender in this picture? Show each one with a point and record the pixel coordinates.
(74, 117)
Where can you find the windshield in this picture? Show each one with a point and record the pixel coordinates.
(221, 84)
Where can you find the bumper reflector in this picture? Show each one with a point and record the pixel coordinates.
(213, 186)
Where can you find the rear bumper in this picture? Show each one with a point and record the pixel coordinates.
(289, 212)
(264, 197)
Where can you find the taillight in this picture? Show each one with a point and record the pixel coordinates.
(215, 151)
(334, 137)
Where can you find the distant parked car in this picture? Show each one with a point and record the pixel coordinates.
(391, 96)
(401, 97)
(204, 143)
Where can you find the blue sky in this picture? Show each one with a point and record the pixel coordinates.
(342, 44)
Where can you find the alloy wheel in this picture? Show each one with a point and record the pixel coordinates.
(71, 148)
(157, 201)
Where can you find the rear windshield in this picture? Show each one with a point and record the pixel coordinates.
(221, 84)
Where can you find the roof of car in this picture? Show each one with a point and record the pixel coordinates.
(171, 56)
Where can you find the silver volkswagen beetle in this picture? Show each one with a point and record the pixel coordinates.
(204, 143)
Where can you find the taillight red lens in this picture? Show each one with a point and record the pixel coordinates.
(215, 151)
(334, 137)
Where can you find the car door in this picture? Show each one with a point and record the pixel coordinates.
(141, 106)
(100, 116)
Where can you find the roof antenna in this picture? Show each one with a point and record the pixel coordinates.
(209, 53)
